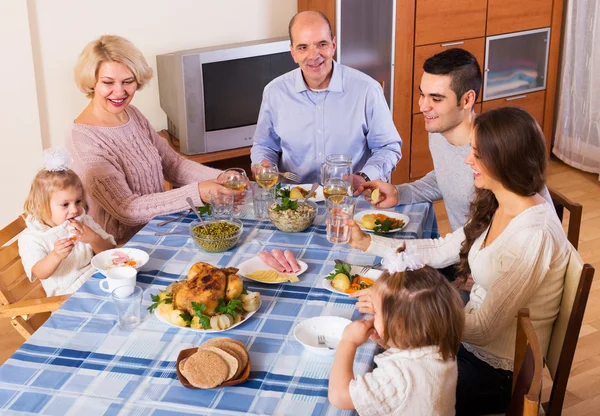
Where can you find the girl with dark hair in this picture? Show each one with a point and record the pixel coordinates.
(514, 246)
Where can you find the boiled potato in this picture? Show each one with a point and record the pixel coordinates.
(175, 318)
(295, 194)
(196, 323)
(162, 296)
(165, 309)
(368, 221)
(341, 282)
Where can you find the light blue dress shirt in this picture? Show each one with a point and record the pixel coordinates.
(349, 117)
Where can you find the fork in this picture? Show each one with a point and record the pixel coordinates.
(185, 214)
(290, 176)
(367, 268)
(321, 341)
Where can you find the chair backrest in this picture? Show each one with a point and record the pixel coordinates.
(563, 341)
(575, 213)
(14, 284)
(528, 368)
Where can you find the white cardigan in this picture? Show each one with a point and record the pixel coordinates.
(523, 267)
(37, 241)
(407, 382)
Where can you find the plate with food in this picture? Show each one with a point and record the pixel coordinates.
(273, 267)
(300, 191)
(119, 257)
(345, 279)
(210, 299)
(381, 222)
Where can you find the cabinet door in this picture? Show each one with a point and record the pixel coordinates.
(505, 16)
(440, 21)
(533, 103)
(422, 53)
(420, 157)
(327, 7)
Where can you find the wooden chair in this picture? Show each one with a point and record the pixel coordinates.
(528, 367)
(561, 203)
(565, 333)
(24, 302)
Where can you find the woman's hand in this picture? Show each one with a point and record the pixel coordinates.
(364, 304)
(388, 194)
(63, 247)
(358, 239)
(205, 187)
(358, 332)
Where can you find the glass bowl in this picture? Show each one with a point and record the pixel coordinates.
(223, 240)
(293, 221)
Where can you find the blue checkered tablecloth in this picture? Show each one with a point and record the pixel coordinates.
(80, 362)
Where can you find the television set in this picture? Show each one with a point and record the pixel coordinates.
(212, 95)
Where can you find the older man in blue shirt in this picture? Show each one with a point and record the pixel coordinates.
(324, 108)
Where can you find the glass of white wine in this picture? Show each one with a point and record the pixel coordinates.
(336, 189)
(266, 175)
(234, 178)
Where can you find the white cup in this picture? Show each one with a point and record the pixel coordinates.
(117, 277)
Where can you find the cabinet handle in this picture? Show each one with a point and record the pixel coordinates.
(443, 45)
(518, 97)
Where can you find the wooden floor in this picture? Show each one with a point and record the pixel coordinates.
(583, 391)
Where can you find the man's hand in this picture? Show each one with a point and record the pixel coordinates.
(388, 194)
(63, 247)
(357, 181)
(364, 304)
(358, 332)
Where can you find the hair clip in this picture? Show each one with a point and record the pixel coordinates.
(57, 159)
(408, 259)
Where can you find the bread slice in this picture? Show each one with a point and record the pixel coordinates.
(230, 345)
(205, 369)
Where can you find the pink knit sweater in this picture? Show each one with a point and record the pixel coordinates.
(123, 169)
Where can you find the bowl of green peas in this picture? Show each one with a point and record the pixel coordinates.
(216, 235)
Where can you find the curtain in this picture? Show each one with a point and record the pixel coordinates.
(577, 139)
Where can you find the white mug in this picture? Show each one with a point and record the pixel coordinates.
(117, 277)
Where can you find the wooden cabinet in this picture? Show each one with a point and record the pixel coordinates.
(505, 16)
(420, 157)
(440, 21)
(422, 53)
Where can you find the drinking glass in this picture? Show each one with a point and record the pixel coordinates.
(128, 301)
(336, 166)
(234, 178)
(266, 175)
(262, 200)
(338, 213)
(221, 203)
(336, 189)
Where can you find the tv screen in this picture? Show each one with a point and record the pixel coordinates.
(233, 89)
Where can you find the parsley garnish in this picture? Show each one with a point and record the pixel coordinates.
(340, 268)
(381, 227)
(244, 290)
(186, 317)
(199, 309)
(281, 192)
(286, 204)
(204, 210)
(232, 307)
(156, 300)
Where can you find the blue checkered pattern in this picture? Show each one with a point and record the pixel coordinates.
(80, 362)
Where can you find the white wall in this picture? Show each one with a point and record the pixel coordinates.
(21, 147)
(47, 36)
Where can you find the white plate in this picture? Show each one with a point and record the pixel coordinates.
(319, 197)
(256, 263)
(103, 261)
(245, 315)
(371, 274)
(358, 218)
(332, 327)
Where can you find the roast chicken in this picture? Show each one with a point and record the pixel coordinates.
(206, 284)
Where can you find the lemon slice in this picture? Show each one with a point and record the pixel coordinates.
(375, 196)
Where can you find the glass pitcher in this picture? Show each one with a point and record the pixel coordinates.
(336, 175)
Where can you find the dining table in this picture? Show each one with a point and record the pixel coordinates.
(81, 362)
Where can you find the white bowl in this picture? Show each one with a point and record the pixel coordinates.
(103, 261)
(331, 327)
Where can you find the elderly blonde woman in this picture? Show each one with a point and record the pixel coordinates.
(117, 153)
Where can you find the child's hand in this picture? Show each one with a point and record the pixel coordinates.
(63, 247)
(84, 233)
(358, 332)
(364, 304)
